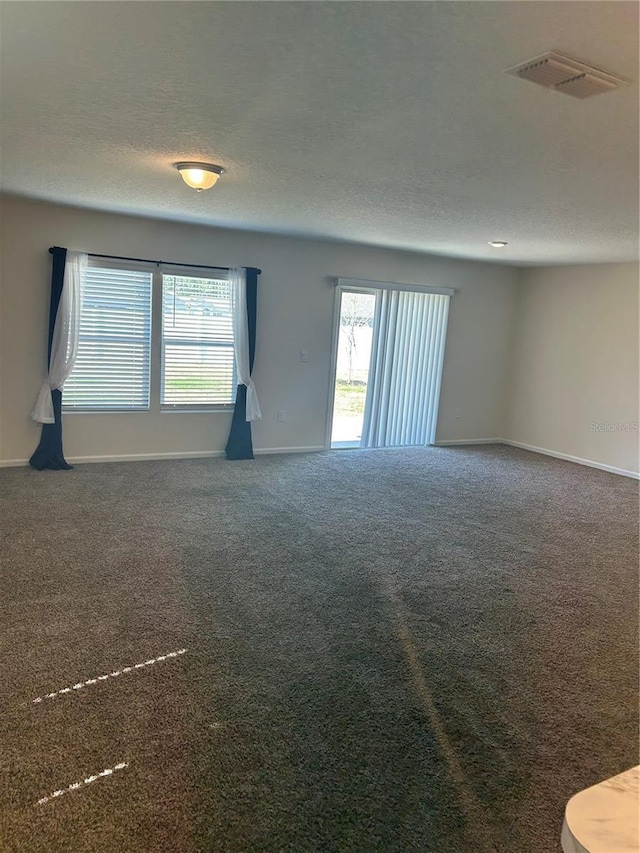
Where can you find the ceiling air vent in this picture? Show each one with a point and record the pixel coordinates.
(555, 71)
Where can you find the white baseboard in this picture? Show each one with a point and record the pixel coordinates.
(145, 457)
(463, 441)
(568, 458)
(127, 457)
(148, 457)
(623, 472)
(204, 454)
(259, 451)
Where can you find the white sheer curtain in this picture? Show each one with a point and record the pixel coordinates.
(66, 334)
(238, 282)
(407, 354)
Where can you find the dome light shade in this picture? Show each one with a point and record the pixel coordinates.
(199, 176)
(497, 244)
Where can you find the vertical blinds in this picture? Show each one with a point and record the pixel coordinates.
(406, 367)
(112, 369)
(198, 359)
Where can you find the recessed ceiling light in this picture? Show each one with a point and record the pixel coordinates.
(199, 176)
(498, 244)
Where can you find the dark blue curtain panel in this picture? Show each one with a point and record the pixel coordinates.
(49, 452)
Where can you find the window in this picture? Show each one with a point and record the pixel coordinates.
(191, 351)
(198, 361)
(112, 370)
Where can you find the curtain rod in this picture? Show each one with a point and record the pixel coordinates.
(157, 263)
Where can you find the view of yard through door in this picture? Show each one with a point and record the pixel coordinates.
(355, 337)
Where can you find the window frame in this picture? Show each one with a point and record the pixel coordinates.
(156, 343)
(197, 273)
(125, 266)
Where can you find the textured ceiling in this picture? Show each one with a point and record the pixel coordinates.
(386, 123)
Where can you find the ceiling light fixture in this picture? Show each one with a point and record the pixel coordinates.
(498, 244)
(199, 176)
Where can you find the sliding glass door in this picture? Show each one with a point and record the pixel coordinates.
(389, 356)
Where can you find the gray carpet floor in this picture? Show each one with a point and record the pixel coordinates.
(420, 650)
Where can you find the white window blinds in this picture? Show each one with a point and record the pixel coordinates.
(112, 368)
(198, 361)
(407, 356)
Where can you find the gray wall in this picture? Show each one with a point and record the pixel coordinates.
(295, 313)
(574, 367)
